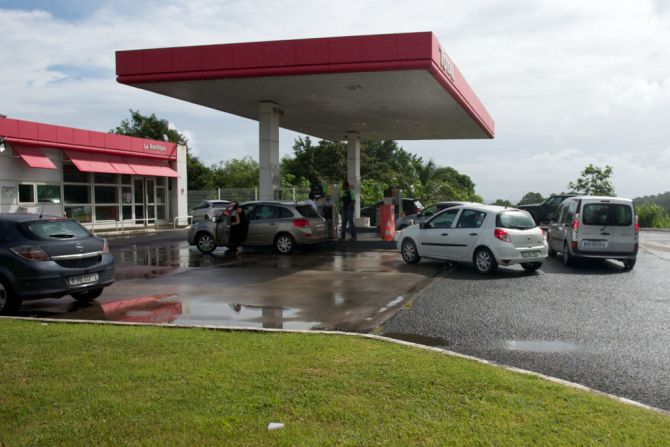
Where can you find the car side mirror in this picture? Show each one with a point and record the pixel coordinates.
(423, 225)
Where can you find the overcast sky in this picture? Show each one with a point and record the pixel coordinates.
(568, 83)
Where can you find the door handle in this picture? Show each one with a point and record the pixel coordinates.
(444, 234)
(474, 234)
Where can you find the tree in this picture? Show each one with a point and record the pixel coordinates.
(531, 197)
(149, 127)
(236, 173)
(594, 181)
(501, 202)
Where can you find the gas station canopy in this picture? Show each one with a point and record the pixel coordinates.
(392, 86)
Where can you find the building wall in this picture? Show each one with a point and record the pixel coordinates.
(16, 176)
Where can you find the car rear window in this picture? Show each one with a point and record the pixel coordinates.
(307, 211)
(609, 214)
(57, 229)
(220, 204)
(515, 219)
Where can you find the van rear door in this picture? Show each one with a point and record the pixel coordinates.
(595, 234)
(607, 227)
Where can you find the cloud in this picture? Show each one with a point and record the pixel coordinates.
(568, 83)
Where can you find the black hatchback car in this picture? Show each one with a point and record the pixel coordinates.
(50, 257)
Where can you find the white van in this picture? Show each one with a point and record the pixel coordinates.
(595, 227)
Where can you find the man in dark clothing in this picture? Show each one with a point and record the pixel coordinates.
(347, 212)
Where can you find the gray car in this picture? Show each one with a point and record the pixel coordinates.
(411, 219)
(283, 225)
(208, 209)
(50, 257)
(595, 227)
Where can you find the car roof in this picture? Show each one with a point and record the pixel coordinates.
(27, 217)
(272, 202)
(604, 198)
(482, 207)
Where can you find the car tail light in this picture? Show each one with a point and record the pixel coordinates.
(105, 246)
(637, 226)
(31, 252)
(502, 235)
(575, 223)
(301, 223)
(574, 245)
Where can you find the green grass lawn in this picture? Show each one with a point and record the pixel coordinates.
(79, 384)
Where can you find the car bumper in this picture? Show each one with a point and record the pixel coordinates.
(509, 255)
(47, 279)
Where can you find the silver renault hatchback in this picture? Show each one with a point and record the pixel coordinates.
(595, 227)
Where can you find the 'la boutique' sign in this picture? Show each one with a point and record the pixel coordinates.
(446, 65)
(154, 147)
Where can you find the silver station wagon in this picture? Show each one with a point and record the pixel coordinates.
(595, 227)
(283, 225)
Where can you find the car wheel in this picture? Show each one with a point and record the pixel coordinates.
(87, 295)
(628, 264)
(284, 243)
(205, 243)
(531, 266)
(484, 261)
(409, 252)
(9, 303)
(567, 259)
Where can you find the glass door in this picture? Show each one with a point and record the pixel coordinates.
(138, 201)
(150, 200)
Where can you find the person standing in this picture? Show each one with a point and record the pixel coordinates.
(237, 229)
(347, 212)
(311, 202)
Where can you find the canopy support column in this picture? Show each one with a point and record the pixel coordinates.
(268, 150)
(354, 169)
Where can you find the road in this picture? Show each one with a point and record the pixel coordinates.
(595, 324)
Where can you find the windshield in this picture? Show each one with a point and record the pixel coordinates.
(515, 219)
(57, 229)
(608, 214)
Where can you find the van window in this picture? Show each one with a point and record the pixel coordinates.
(608, 214)
(561, 214)
(517, 220)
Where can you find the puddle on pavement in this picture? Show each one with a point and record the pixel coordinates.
(167, 308)
(542, 346)
(418, 339)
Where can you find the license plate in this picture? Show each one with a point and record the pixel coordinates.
(530, 254)
(594, 244)
(83, 279)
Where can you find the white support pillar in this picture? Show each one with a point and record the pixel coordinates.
(268, 150)
(354, 169)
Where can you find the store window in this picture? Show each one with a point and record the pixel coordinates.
(105, 178)
(48, 193)
(26, 194)
(73, 175)
(77, 193)
(106, 213)
(80, 213)
(106, 194)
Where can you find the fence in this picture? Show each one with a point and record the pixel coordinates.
(241, 195)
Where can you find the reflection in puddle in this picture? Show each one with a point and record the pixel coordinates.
(242, 315)
(540, 346)
(143, 309)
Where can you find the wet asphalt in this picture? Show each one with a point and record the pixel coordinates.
(594, 324)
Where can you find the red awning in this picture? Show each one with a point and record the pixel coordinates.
(147, 166)
(34, 157)
(112, 164)
(92, 162)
